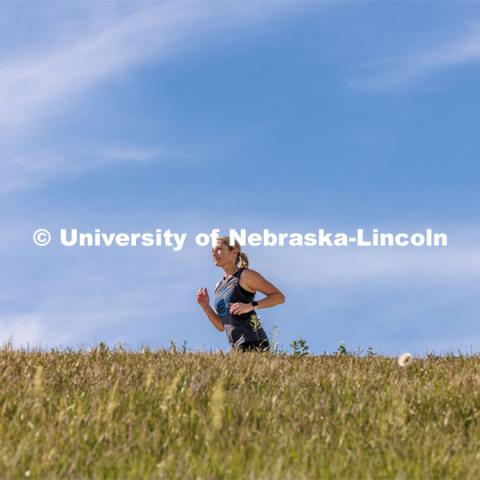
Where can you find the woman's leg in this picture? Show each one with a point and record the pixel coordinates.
(259, 346)
(264, 345)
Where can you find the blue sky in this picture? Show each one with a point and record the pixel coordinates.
(291, 116)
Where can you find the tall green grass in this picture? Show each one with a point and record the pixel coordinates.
(113, 413)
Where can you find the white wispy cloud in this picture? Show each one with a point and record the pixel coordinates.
(24, 330)
(31, 84)
(22, 170)
(459, 49)
(152, 31)
(49, 79)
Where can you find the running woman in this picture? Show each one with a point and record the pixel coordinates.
(235, 306)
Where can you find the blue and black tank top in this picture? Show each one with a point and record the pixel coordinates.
(241, 328)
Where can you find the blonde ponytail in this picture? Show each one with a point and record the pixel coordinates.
(243, 260)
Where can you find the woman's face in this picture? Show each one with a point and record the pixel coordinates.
(222, 255)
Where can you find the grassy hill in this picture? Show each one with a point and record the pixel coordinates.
(166, 414)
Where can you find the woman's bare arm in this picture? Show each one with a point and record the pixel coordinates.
(204, 301)
(253, 282)
(214, 318)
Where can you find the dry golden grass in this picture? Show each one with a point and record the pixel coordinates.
(113, 413)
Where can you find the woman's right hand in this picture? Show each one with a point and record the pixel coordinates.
(202, 297)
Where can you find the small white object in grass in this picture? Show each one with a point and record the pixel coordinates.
(405, 359)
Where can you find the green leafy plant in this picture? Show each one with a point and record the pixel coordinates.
(299, 347)
(342, 349)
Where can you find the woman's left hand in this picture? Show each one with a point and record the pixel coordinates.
(239, 308)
